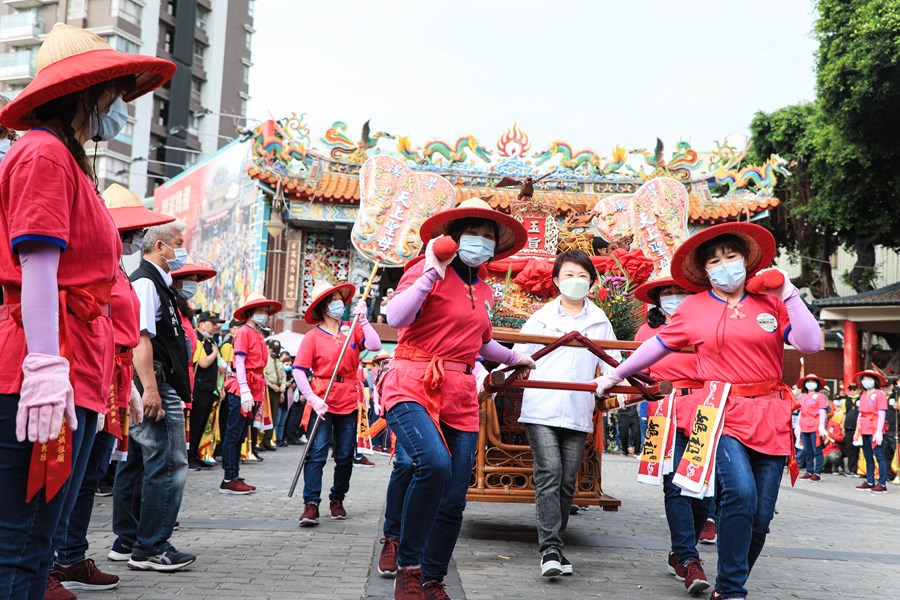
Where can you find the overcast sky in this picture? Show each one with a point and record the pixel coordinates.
(593, 73)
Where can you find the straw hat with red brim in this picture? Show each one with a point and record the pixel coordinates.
(512, 233)
(71, 60)
(202, 273)
(811, 377)
(128, 212)
(692, 276)
(321, 292)
(256, 300)
(648, 292)
(381, 358)
(882, 380)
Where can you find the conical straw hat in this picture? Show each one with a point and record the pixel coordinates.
(128, 212)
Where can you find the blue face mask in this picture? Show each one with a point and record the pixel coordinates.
(181, 256)
(475, 250)
(4, 147)
(336, 309)
(728, 277)
(188, 289)
(106, 126)
(669, 304)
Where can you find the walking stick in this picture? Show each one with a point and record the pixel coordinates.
(315, 427)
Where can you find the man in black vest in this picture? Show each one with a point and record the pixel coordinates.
(150, 483)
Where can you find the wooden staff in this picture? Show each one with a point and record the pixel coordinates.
(506, 335)
(500, 379)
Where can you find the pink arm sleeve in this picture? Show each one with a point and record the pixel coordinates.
(881, 416)
(405, 305)
(240, 368)
(492, 350)
(371, 340)
(40, 296)
(650, 352)
(805, 334)
(302, 382)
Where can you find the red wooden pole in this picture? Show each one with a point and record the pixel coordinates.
(851, 350)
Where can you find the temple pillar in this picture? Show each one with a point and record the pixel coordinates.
(851, 350)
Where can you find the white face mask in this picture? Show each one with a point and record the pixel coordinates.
(260, 318)
(811, 386)
(335, 309)
(575, 288)
(188, 289)
(137, 241)
(106, 126)
(475, 250)
(868, 383)
(729, 276)
(669, 304)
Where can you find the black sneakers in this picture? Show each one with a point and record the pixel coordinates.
(551, 565)
(170, 560)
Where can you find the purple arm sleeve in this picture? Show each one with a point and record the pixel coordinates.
(492, 350)
(650, 352)
(40, 296)
(303, 383)
(404, 306)
(371, 340)
(805, 334)
(241, 369)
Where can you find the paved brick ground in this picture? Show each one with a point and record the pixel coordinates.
(828, 541)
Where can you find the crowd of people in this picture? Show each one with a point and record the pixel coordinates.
(115, 377)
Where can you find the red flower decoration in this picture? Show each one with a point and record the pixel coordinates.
(537, 278)
(636, 264)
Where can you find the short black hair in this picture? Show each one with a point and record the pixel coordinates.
(727, 242)
(655, 317)
(578, 257)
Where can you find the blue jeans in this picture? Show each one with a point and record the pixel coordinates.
(685, 515)
(435, 498)
(26, 543)
(71, 542)
(150, 482)
(401, 476)
(280, 420)
(812, 454)
(235, 432)
(748, 483)
(878, 454)
(342, 430)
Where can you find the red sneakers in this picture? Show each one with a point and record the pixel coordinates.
(815, 478)
(675, 567)
(879, 489)
(235, 486)
(710, 532)
(408, 585)
(864, 486)
(694, 578)
(387, 562)
(337, 510)
(85, 575)
(252, 487)
(434, 590)
(805, 476)
(362, 461)
(310, 515)
(55, 590)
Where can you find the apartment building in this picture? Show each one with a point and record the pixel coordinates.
(190, 117)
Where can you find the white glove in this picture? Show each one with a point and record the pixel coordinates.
(604, 382)
(376, 405)
(786, 290)
(361, 310)
(878, 437)
(246, 401)
(101, 421)
(523, 360)
(317, 404)
(45, 398)
(480, 375)
(823, 431)
(137, 407)
(432, 262)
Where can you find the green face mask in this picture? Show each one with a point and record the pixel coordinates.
(575, 288)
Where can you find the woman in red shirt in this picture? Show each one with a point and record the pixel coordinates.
(813, 407)
(318, 358)
(873, 406)
(59, 260)
(739, 340)
(686, 516)
(442, 311)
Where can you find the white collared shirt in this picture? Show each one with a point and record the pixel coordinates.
(151, 308)
(557, 408)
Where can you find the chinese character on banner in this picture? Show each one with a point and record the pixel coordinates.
(660, 209)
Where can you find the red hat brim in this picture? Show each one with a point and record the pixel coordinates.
(346, 289)
(132, 218)
(241, 313)
(692, 277)
(857, 377)
(202, 273)
(81, 71)
(513, 236)
(822, 383)
(645, 291)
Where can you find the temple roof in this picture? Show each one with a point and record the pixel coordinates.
(887, 295)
